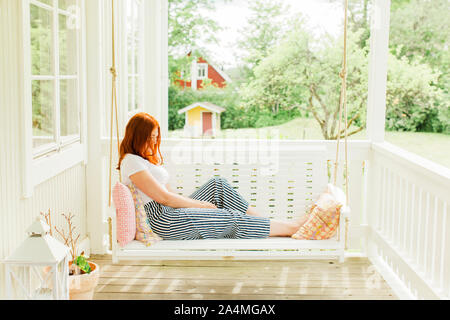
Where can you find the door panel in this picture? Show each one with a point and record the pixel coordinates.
(207, 123)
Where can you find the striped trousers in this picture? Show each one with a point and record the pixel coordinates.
(228, 221)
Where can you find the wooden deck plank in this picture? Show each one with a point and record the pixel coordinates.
(196, 296)
(238, 288)
(270, 282)
(230, 274)
(263, 269)
(106, 259)
(237, 280)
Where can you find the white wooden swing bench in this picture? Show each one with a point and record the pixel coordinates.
(282, 183)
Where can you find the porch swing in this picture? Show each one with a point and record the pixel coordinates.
(303, 175)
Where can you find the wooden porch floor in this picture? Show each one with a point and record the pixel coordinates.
(240, 280)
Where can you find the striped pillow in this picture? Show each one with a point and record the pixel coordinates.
(125, 214)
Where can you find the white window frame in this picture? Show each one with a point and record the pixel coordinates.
(136, 75)
(202, 67)
(43, 163)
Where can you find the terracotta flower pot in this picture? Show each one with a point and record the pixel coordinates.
(81, 286)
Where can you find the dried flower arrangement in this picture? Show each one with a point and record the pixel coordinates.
(79, 263)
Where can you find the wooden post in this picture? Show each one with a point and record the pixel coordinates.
(164, 121)
(379, 48)
(96, 71)
(376, 107)
(156, 77)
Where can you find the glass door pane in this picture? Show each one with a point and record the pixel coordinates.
(67, 46)
(66, 4)
(70, 113)
(41, 41)
(47, 2)
(43, 113)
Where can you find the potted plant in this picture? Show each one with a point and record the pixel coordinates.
(83, 274)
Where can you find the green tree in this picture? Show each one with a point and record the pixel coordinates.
(420, 32)
(358, 18)
(303, 74)
(422, 29)
(299, 74)
(188, 25)
(396, 4)
(411, 99)
(262, 32)
(41, 64)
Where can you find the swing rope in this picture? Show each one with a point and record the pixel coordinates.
(114, 105)
(343, 109)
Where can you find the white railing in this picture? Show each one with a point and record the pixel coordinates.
(408, 222)
(399, 201)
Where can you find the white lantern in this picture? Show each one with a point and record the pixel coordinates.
(39, 268)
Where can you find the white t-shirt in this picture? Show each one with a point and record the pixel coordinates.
(132, 164)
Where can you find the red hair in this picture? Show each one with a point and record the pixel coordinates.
(137, 136)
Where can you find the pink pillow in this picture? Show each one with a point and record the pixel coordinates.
(125, 214)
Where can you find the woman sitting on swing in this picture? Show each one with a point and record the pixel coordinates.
(214, 211)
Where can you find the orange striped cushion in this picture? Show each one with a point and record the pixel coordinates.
(323, 218)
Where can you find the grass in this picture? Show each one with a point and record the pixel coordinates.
(433, 146)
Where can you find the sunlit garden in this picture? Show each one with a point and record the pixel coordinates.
(286, 75)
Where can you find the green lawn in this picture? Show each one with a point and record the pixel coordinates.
(433, 146)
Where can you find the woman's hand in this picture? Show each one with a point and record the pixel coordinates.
(206, 205)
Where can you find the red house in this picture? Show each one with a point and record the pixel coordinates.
(202, 70)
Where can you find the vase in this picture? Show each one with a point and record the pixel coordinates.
(82, 286)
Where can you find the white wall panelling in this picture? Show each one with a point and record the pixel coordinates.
(64, 193)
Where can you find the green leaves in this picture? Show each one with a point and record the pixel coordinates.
(410, 96)
(286, 72)
(419, 40)
(82, 263)
(262, 32)
(303, 74)
(189, 23)
(422, 29)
